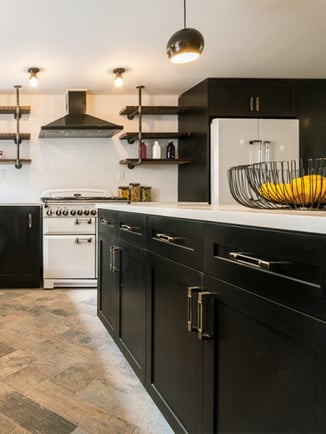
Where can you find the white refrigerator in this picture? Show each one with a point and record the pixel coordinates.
(236, 142)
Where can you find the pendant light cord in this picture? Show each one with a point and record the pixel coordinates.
(184, 14)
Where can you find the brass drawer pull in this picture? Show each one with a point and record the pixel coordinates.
(105, 222)
(168, 238)
(128, 228)
(245, 258)
(190, 307)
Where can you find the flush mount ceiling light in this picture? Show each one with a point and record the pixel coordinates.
(33, 78)
(185, 45)
(118, 80)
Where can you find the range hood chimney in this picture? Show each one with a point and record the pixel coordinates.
(76, 123)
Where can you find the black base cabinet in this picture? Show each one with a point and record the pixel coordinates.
(121, 284)
(224, 324)
(20, 247)
(174, 354)
(269, 364)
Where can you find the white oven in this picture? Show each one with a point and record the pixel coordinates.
(70, 237)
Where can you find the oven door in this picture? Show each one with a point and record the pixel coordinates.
(69, 256)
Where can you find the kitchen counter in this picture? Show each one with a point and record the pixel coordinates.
(295, 220)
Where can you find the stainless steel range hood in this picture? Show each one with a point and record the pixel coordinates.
(78, 124)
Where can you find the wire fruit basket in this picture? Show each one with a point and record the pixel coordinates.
(280, 184)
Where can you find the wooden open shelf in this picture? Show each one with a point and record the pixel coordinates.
(13, 160)
(132, 137)
(11, 110)
(156, 162)
(132, 110)
(12, 136)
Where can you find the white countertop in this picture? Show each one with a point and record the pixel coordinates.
(296, 220)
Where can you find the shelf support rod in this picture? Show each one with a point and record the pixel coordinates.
(18, 163)
(140, 110)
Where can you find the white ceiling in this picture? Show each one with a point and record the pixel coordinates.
(77, 43)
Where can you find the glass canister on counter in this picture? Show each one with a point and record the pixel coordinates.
(134, 191)
(123, 192)
(145, 194)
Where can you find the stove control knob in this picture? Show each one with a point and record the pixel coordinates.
(65, 212)
(93, 211)
(79, 211)
(72, 212)
(49, 212)
(86, 211)
(58, 212)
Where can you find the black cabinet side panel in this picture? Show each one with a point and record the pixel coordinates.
(193, 178)
(311, 113)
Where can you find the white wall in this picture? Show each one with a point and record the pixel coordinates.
(65, 163)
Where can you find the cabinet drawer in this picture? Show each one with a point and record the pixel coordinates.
(287, 267)
(177, 239)
(132, 228)
(107, 221)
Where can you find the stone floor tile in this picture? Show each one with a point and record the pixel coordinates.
(31, 416)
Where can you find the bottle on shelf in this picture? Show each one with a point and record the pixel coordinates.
(143, 150)
(156, 150)
(170, 151)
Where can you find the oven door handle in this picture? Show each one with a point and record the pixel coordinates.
(83, 240)
(78, 221)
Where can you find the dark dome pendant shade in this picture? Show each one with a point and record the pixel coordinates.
(185, 45)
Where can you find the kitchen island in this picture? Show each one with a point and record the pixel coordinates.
(220, 311)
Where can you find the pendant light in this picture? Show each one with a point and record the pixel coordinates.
(185, 45)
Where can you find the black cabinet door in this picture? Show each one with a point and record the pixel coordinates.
(252, 98)
(174, 354)
(264, 366)
(108, 283)
(10, 257)
(132, 305)
(31, 250)
(108, 275)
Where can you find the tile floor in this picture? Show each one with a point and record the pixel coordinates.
(60, 371)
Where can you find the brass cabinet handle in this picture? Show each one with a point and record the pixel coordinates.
(105, 222)
(205, 315)
(168, 238)
(247, 259)
(113, 259)
(257, 104)
(190, 307)
(128, 228)
(30, 220)
(251, 104)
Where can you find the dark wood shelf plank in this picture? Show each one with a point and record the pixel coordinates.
(13, 160)
(156, 162)
(12, 136)
(132, 137)
(10, 110)
(132, 110)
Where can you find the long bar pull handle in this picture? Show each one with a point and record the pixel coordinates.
(115, 266)
(168, 238)
(190, 308)
(257, 104)
(251, 104)
(78, 221)
(128, 228)
(110, 259)
(30, 220)
(104, 221)
(245, 258)
(205, 315)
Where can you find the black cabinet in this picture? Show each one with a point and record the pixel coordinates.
(20, 246)
(263, 317)
(251, 98)
(174, 354)
(122, 283)
(108, 276)
(268, 362)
